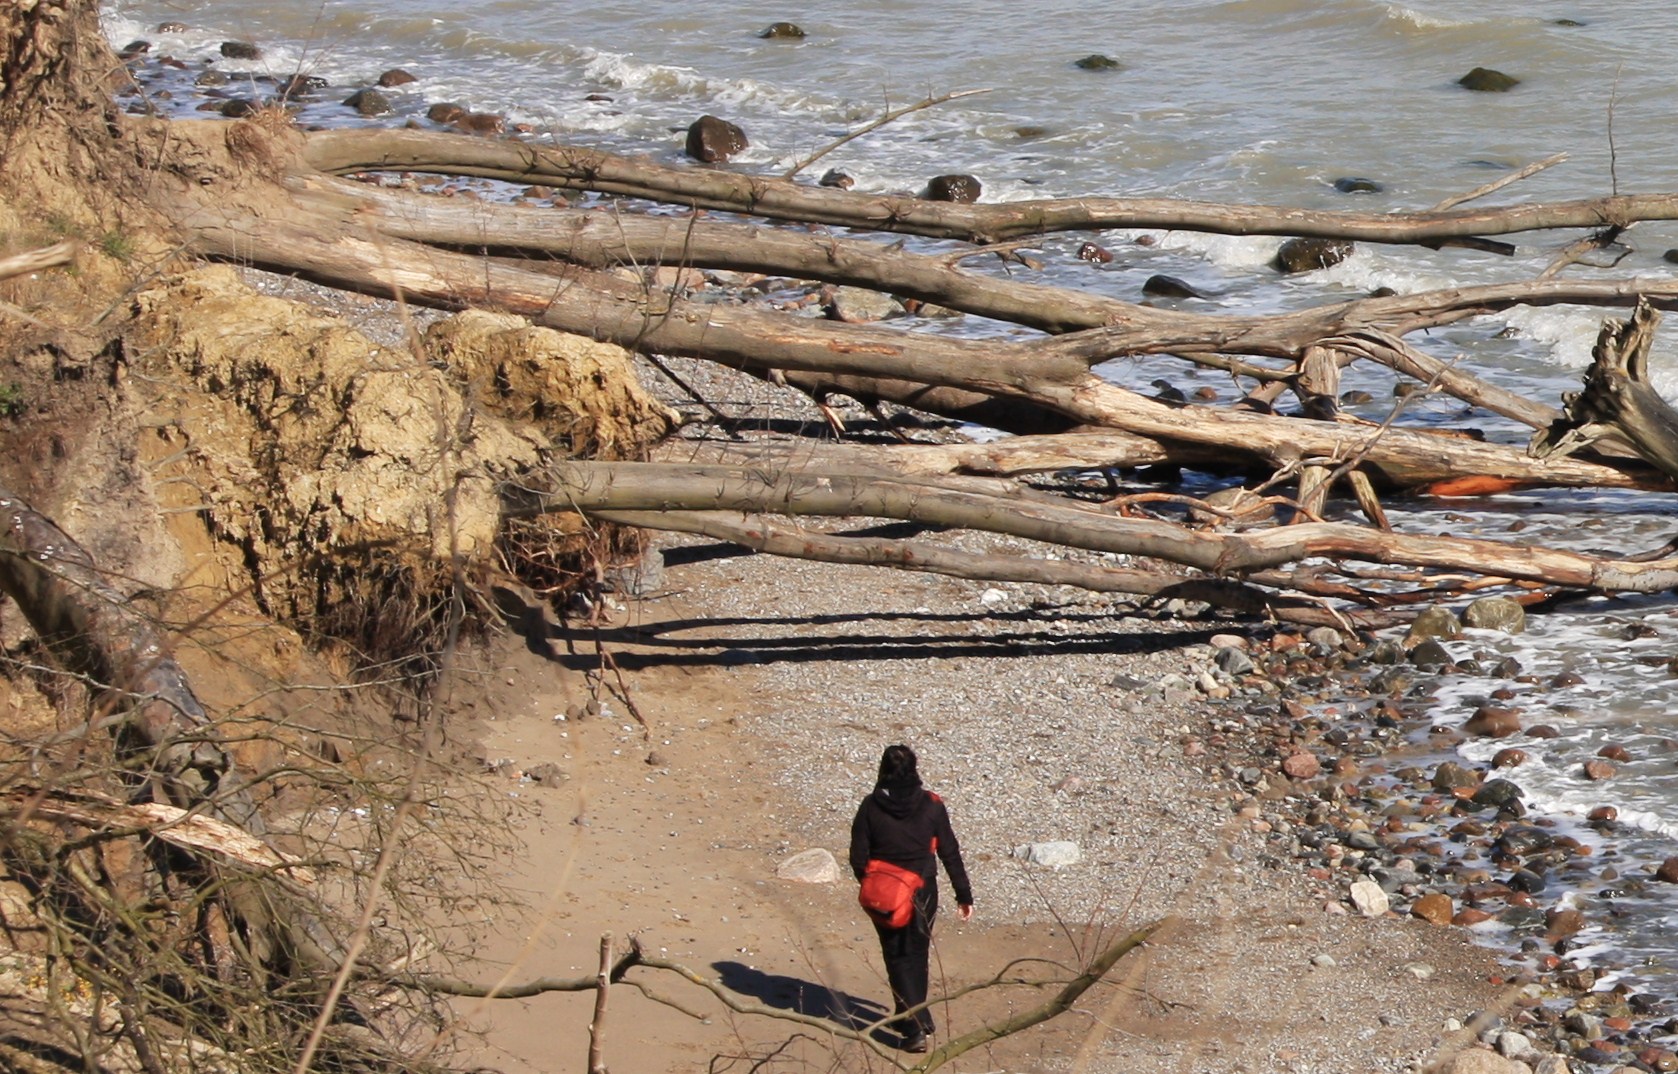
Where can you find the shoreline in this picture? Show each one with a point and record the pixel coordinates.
(769, 687)
(1046, 669)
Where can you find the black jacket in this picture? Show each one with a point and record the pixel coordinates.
(901, 828)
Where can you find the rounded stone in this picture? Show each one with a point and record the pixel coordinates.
(1306, 255)
(712, 140)
(814, 866)
(782, 31)
(369, 102)
(1356, 184)
(1493, 721)
(1487, 80)
(955, 187)
(1163, 286)
(1434, 907)
(1435, 622)
(1302, 766)
(1496, 613)
(1497, 793)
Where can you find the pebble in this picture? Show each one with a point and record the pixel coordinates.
(1368, 898)
(1056, 854)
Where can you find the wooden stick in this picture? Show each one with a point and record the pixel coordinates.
(60, 253)
(597, 1027)
(1498, 184)
(876, 125)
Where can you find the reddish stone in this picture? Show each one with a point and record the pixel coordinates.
(1509, 757)
(1657, 1058)
(1434, 908)
(1597, 771)
(1468, 915)
(1615, 753)
(1521, 898)
(1302, 766)
(1603, 814)
(1559, 923)
(1618, 1023)
(1543, 730)
(1668, 872)
(1493, 721)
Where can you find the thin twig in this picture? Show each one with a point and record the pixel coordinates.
(1498, 184)
(867, 128)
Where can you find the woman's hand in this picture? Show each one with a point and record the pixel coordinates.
(965, 911)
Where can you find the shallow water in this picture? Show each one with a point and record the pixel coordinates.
(1262, 101)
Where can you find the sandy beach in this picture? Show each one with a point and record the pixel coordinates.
(768, 688)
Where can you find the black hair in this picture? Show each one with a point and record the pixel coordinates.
(899, 768)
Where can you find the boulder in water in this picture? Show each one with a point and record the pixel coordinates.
(713, 140)
(962, 188)
(1486, 80)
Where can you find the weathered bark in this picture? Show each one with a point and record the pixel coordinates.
(1051, 374)
(1618, 399)
(339, 152)
(657, 487)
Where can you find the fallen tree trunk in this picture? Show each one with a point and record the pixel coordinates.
(645, 487)
(1052, 374)
(581, 168)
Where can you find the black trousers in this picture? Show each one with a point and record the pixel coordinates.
(907, 952)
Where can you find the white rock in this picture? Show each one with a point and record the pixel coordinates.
(1421, 971)
(990, 598)
(1053, 854)
(1324, 961)
(816, 866)
(1513, 1045)
(1368, 897)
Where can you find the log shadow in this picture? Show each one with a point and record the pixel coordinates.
(680, 555)
(802, 997)
(799, 639)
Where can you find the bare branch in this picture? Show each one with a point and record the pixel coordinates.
(867, 128)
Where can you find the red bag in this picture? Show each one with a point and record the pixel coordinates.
(888, 892)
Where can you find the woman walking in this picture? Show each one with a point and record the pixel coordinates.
(904, 825)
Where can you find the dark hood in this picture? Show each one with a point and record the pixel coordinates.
(899, 801)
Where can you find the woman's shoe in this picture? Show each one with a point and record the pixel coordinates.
(913, 1042)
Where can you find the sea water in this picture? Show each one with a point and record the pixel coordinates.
(1247, 101)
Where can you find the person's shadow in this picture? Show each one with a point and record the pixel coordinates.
(805, 997)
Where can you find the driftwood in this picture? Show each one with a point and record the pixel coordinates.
(258, 192)
(452, 254)
(616, 971)
(1617, 399)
